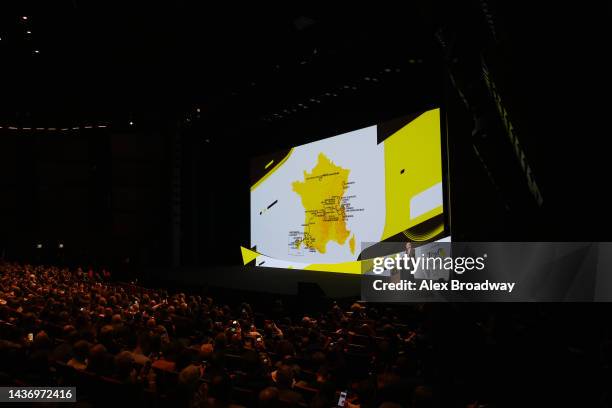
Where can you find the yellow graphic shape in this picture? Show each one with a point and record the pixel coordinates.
(417, 150)
(425, 236)
(272, 170)
(321, 193)
(352, 244)
(248, 255)
(352, 267)
(269, 164)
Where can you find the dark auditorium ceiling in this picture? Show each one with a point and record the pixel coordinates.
(91, 58)
(67, 60)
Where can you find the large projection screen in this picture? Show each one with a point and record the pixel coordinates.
(318, 205)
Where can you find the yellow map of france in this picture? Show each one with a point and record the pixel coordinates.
(321, 192)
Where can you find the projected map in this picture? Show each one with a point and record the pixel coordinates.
(325, 206)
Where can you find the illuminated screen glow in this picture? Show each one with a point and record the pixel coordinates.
(314, 206)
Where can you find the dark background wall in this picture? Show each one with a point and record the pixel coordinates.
(102, 194)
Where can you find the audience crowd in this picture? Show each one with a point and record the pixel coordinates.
(120, 343)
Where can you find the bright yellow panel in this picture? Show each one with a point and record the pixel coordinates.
(416, 148)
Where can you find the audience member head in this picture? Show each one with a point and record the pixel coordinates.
(284, 377)
(268, 397)
(220, 388)
(81, 350)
